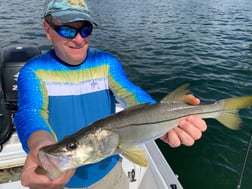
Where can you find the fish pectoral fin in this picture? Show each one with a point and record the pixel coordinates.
(137, 156)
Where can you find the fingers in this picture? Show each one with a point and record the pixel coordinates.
(35, 181)
(188, 130)
(192, 126)
(172, 138)
(190, 99)
(197, 122)
(30, 178)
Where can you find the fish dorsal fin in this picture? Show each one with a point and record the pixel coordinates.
(178, 95)
(136, 155)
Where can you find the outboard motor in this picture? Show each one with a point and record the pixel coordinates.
(11, 60)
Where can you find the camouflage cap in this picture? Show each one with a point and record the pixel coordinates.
(66, 11)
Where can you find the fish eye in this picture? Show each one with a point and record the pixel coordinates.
(71, 146)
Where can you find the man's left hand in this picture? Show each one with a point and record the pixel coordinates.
(188, 130)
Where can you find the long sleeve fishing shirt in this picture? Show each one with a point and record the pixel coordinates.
(62, 99)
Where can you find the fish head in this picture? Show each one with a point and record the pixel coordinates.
(77, 150)
(65, 155)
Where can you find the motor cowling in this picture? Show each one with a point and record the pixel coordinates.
(11, 60)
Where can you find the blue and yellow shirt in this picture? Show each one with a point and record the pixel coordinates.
(62, 99)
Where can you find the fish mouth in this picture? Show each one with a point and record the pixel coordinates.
(51, 164)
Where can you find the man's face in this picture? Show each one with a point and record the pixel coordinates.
(72, 51)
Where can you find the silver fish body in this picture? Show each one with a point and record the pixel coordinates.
(123, 131)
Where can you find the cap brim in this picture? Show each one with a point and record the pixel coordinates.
(66, 17)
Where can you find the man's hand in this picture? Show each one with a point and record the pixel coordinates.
(35, 181)
(29, 177)
(188, 129)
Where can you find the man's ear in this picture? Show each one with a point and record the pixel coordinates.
(47, 30)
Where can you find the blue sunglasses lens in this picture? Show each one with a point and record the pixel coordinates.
(86, 30)
(71, 32)
(66, 31)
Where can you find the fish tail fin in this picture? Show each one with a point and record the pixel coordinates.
(136, 155)
(229, 117)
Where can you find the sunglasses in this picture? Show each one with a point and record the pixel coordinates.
(71, 32)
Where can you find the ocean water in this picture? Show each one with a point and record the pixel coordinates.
(163, 44)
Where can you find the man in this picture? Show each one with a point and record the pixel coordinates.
(71, 86)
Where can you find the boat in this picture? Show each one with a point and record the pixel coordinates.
(158, 175)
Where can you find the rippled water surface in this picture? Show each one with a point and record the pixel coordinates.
(161, 45)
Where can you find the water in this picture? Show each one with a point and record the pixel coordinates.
(163, 44)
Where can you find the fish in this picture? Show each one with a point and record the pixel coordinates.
(123, 132)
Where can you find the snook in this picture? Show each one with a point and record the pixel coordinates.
(123, 131)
